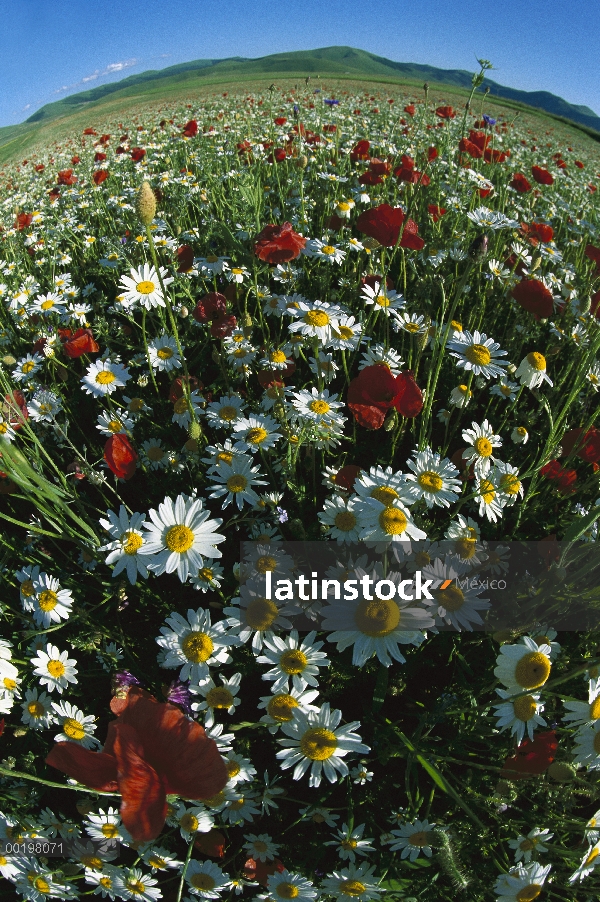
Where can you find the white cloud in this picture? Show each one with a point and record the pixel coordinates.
(108, 70)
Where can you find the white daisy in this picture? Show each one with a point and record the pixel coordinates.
(50, 604)
(587, 746)
(521, 883)
(532, 844)
(353, 884)
(340, 517)
(103, 377)
(478, 353)
(319, 743)
(280, 706)
(523, 666)
(114, 422)
(44, 406)
(317, 406)
(208, 577)
(350, 843)
(134, 884)
(521, 715)
(481, 441)
(142, 287)
(315, 319)
(206, 880)
(76, 726)
(589, 863)
(106, 827)
(216, 697)
(27, 367)
(284, 885)
(532, 371)
(178, 537)
(413, 839)
(386, 523)
(54, 668)
(582, 713)
(37, 710)
(194, 644)
(519, 435)
(126, 540)
(235, 481)
(434, 480)
(256, 433)
(489, 499)
(506, 477)
(159, 859)
(293, 659)
(381, 298)
(163, 354)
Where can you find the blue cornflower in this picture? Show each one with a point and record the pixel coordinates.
(488, 120)
(332, 102)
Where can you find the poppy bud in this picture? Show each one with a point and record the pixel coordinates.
(478, 247)
(562, 772)
(194, 430)
(585, 305)
(145, 204)
(302, 161)
(391, 420)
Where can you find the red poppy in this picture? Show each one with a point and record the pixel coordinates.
(335, 222)
(120, 456)
(436, 212)
(588, 445)
(370, 178)
(432, 154)
(579, 164)
(280, 120)
(40, 167)
(541, 175)
(211, 843)
(14, 408)
(151, 750)
(75, 344)
(520, 183)
(593, 254)
(445, 112)
(100, 176)
(346, 477)
(537, 231)
(223, 326)
(376, 279)
(375, 391)
(90, 131)
(262, 870)
(23, 221)
(176, 387)
(384, 224)
(185, 258)
(244, 148)
(66, 177)
(532, 757)
(190, 129)
(562, 478)
(410, 109)
(99, 157)
(466, 146)
(491, 155)
(277, 156)
(137, 154)
(533, 296)
(379, 167)
(595, 305)
(278, 244)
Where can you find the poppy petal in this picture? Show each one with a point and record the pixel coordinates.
(98, 770)
(144, 803)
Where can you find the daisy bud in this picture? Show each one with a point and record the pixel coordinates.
(145, 204)
(194, 430)
(562, 772)
(9, 360)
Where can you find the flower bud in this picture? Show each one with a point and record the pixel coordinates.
(145, 204)
(302, 161)
(194, 430)
(562, 771)
(184, 312)
(371, 244)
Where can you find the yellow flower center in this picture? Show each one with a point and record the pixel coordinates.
(524, 707)
(135, 405)
(109, 830)
(595, 709)
(316, 318)
(135, 886)
(48, 304)
(28, 366)
(536, 361)
(532, 670)
(164, 353)
(179, 538)
(219, 697)
(233, 768)
(506, 390)
(377, 617)
(591, 857)
(202, 881)
(529, 893)
(382, 300)
(56, 668)
(483, 446)
(487, 491)
(155, 453)
(73, 729)
(266, 562)
(509, 484)
(319, 407)
(422, 559)
(419, 839)
(237, 483)
(40, 884)
(189, 822)
(280, 707)
(92, 862)
(478, 354)
(237, 804)
(352, 887)
(527, 845)
(181, 405)
(145, 287)
(392, 521)
(256, 436)
(452, 598)
(9, 684)
(240, 352)
(207, 574)
(197, 647)
(215, 801)
(328, 249)
(345, 521)
(261, 613)
(105, 377)
(431, 482)
(131, 542)
(36, 709)
(224, 457)
(348, 844)
(27, 589)
(114, 426)
(228, 413)
(456, 325)
(384, 494)
(237, 271)
(345, 333)
(47, 600)
(411, 327)
(156, 862)
(278, 357)
(287, 890)
(293, 661)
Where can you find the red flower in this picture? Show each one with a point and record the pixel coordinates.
(190, 129)
(384, 224)
(40, 167)
(223, 326)
(277, 156)
(176, 387)
(137, 154)
(99, 157)
(466, 146)
(436, 212)
(445, 112)
(563, 479)
(23, 221)
(491, 155)
(14, 408)
(211, 843)
(379, 167)
(579, 164)
(520, 183)
(410, 109)
(432, 154)
(120, 456)
(370, 178)
(537, 231)
(376, 279)
(100, 176)
(278, 244)
(532, 756)
(280, 120)
(593, 253)
(541, 175)
(77, 343)
(375, 390)
(185, 258)
(262, 870)
(244, 148)
(66, 177)
(151, 751)
(588, 445)
(210, 307)
(533, 296)
(90, 131)
(346, 477)
(595, 306)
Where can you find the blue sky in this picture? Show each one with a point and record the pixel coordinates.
(52, 48)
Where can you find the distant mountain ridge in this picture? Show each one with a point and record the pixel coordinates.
(330, 61)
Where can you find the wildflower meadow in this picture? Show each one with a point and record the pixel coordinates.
(236, 327)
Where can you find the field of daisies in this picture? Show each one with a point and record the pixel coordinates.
(365, 318)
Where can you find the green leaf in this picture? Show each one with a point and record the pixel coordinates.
(581, 525)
